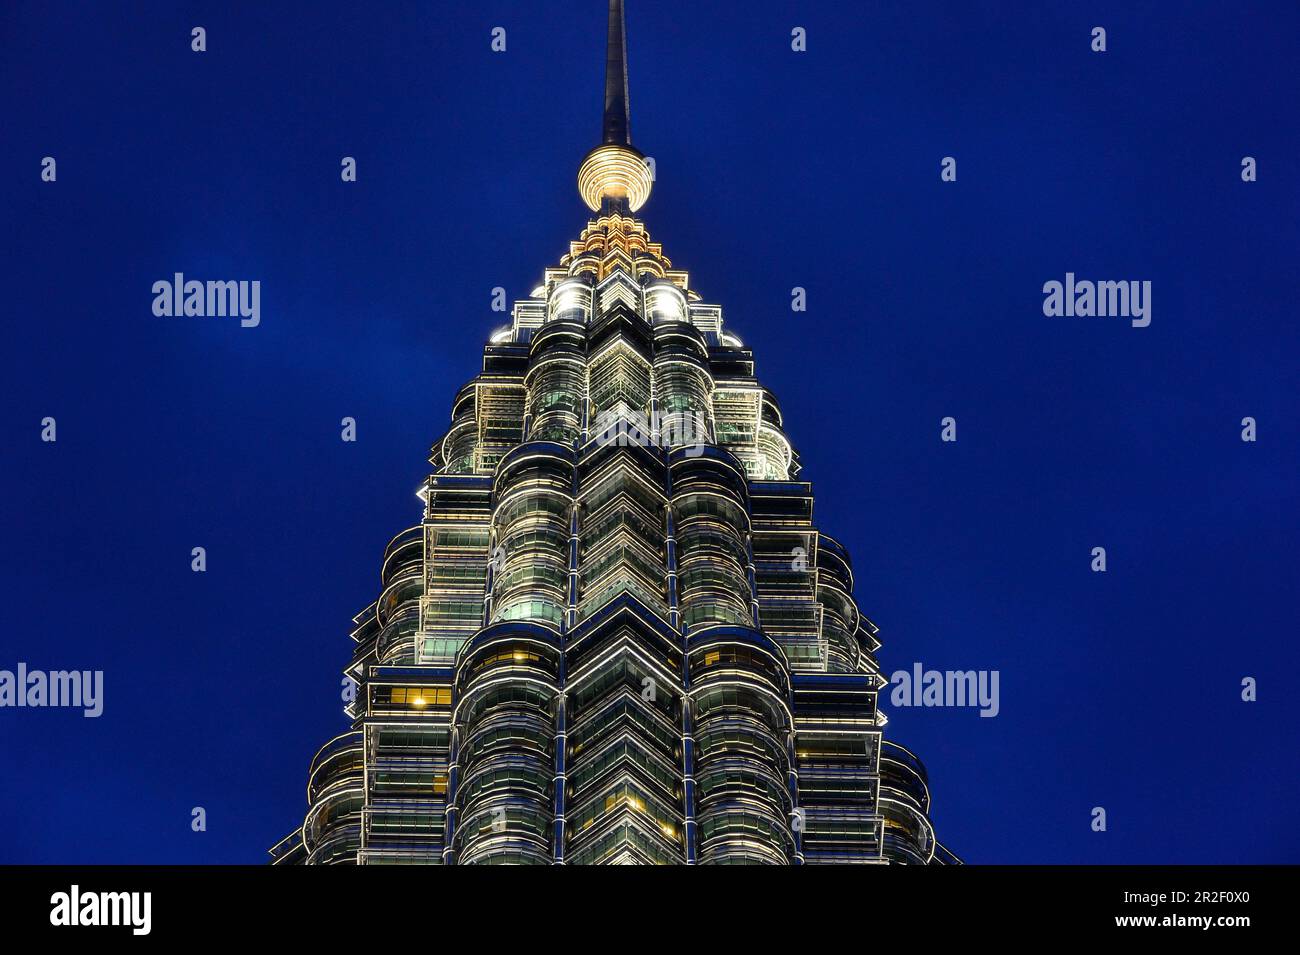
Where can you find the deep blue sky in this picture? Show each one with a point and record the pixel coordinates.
(775, 169)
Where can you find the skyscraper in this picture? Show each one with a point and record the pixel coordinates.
(617, 635)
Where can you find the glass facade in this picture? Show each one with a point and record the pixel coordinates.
(617, 636)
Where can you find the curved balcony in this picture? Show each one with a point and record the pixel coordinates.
(557, 387)
(506, 688)
(532, 514)
(404, 551)
(570, 301)
(559, 337)
(524, 653)
(837, 601)
(476, 662)
(665, 304)
(834, 561)
(504, 830)
(340, 763)
(541, 463)
(683, 398)
(711, 527)
(648, 266)
(538, 502)
(775, 452)
(771, 411)
(712, 595)
(901, 770)
(680, 337)
(909, 837)
(586, 265)
(339, 847)
(904, 804)
(711, 469)
(509, 731)
(460, 444)
(513, 774)
(737, 777)
(465, 400)
(401, 597)
(739, 732)
(843, 652)
(331, 833)
(739, 696)
(396, 641)
(744, 833)
(490, 697)
(730, 650)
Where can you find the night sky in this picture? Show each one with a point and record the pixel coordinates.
(775, 169)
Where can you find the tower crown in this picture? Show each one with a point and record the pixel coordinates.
(615, 172)
(615, 505)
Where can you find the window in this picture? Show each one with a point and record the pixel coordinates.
(418, 696)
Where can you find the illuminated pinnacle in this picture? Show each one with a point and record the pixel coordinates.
(614, 176)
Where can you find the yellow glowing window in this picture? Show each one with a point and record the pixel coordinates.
(440, 785)
(418, 696)
(712, 657)
(512, 656)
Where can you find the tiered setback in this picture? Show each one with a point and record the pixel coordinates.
(617, 635)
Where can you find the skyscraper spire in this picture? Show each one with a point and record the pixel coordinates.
(615, 506)
(618, 114)
(614, 177)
